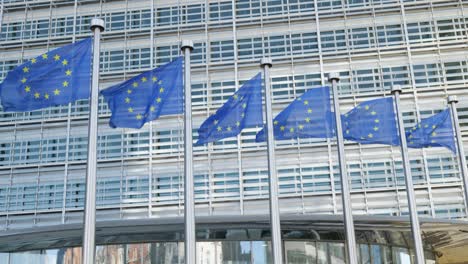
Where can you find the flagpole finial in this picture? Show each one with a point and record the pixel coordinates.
(452, 99)
(266, 62)
(97, 23)
(186, 44)
(333, 76)
(396, 88)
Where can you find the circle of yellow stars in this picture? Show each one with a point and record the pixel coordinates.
(43, 94)
(230, 127)
(132, 90)
(432, 133)
(376, 122)
(299, 125)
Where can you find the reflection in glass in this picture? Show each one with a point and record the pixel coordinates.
(300, 252)
(322, 255)
(364, 254)
(261, 252)
(337, 253)
(401, 256)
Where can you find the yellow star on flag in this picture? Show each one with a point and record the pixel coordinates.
(27, 89)
(160, 82)
(65, 84)
(434, 134)
(68, 73)
(46, 96)
(152, 108)
(25, 69)
(127, 100)
(130, 110)
(244, 105)
(57, 57)
(129, 91)
(65, 62)
(347, 131)
(275, 122)
(282, 128)
(370, 135)
(220, 128)
(307, 120)
(433, 141)
(143, 79)
(243, 115)
(215, 122)
(33, 60)
(238, 123)
(154, 79)
(24, 80)
(135, 84)
(138, 117)
(306, 102)
(366, 107)
(228, 128)
(44, 56)
(434, 126)
(309, 111)
(37, 95)
(158, 100)
(376, 128)
(56, 92)
(377, 121)
(161, 90)
(291, 129)
(301, 127)
(235, 97)
(373, 113)
(426, 126)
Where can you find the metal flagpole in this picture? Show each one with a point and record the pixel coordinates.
(334, 78)
(418, 246)
(452, 100)
(190, 239)
(97, 26)
(276, 244)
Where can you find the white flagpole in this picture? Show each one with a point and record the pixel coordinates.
(416, 231)
(97, 26)
(190, 235)
(334, 78)
(452, 100)
(276, 244)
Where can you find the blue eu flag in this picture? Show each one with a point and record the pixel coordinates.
(435, 131)
(372, 122)
(54, 78)
(309, 116)
(242, 110)
(147, 96)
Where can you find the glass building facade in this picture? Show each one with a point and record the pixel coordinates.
(373, 44)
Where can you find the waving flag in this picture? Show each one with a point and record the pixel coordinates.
(147, 96)
(242, 110)
(309, 116)
(372, 122)
(436, 131)
(54, 78)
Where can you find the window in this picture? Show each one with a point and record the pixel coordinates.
(220, 11)
(361, 38)
(222, 50)
(333, 41)
(421, 32)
